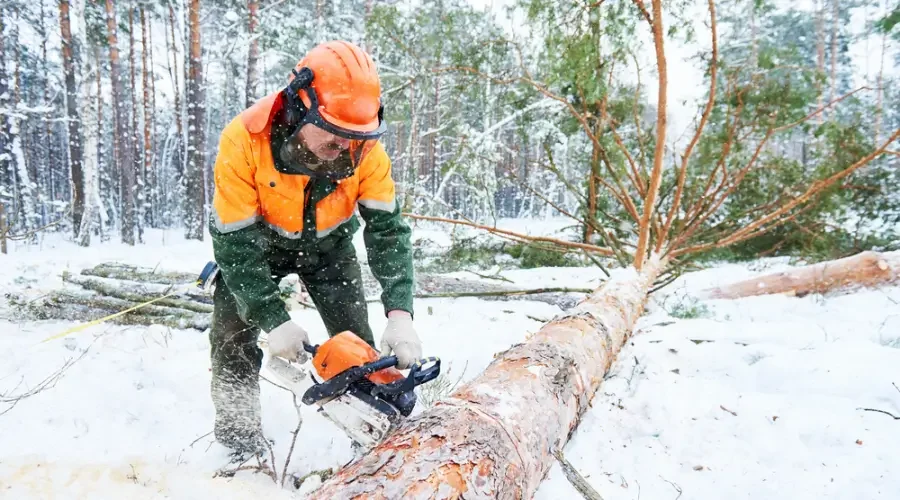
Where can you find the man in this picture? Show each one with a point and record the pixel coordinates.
(289, 174)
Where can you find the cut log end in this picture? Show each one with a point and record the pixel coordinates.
(865, 269)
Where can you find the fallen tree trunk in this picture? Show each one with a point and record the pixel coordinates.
(486, 440)
(115, 270)
(865, 269)
(134, 292)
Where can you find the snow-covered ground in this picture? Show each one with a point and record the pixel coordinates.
(754, 398)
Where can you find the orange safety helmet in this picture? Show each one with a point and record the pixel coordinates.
(336, 87)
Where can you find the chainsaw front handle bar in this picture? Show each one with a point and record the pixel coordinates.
(391, 361)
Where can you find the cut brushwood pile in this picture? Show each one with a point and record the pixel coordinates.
(110, 288)
(863, 270)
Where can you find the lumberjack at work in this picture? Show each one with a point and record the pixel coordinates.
(289, 174)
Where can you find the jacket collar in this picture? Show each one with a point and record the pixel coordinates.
(257, 117)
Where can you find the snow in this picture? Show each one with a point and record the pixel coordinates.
(130, 418)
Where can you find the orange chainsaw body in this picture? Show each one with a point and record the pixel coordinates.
(346, 350)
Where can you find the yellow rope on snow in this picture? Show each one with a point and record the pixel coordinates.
(107, 318)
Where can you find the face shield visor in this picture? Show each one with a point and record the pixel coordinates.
(321, 145)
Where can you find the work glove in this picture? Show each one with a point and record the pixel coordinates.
(286, 341)
(400, 338)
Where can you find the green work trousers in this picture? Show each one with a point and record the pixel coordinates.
(334, 282)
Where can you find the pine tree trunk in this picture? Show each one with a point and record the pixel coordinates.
(820, 54)
(835, 14)
(74, 121)
(368, 15)
(122, 143)
(195, 193)
(173, 75)
(252, 53)
(486, 440)
(879, 92)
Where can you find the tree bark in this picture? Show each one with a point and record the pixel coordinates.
(173, 75)
(820, 53)
(195, 194)
(7, 178)
(74, 121)
(148, 147)
(3, 230)
(137, 292)
(134, 141)
(835, 15)
(252, 53)
(486, 440)
(865, 269)
(661, 110)
(121, 142)
(155, 186)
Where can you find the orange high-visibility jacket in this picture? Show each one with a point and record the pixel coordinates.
(255, 206)
(250, 189)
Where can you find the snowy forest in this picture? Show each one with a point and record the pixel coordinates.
(111, 110)
(647, 249)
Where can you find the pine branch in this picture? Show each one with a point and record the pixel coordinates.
(525, 237)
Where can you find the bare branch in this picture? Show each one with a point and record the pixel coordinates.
(47, 383)
(494, 230)
(643, 8)
(819, 110)
(576, 479)
(682, 173)
(287, 461)
(880, 411)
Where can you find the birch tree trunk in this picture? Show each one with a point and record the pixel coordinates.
(252, 53)
(27, 188)
(74, 123)
(133, 141)
(147, 155)
(122, 144)
(7, 179)
(195, 193)
(486, 440)
(3, 230)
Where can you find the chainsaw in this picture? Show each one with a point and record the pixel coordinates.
(364, 395)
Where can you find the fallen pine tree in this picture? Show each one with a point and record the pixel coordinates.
(865, 269)
(496, 436)
(487, 440)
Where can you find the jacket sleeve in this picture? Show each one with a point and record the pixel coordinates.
(239, 245)
(386, 234)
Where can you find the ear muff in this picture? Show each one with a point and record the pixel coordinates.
(294, 108)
